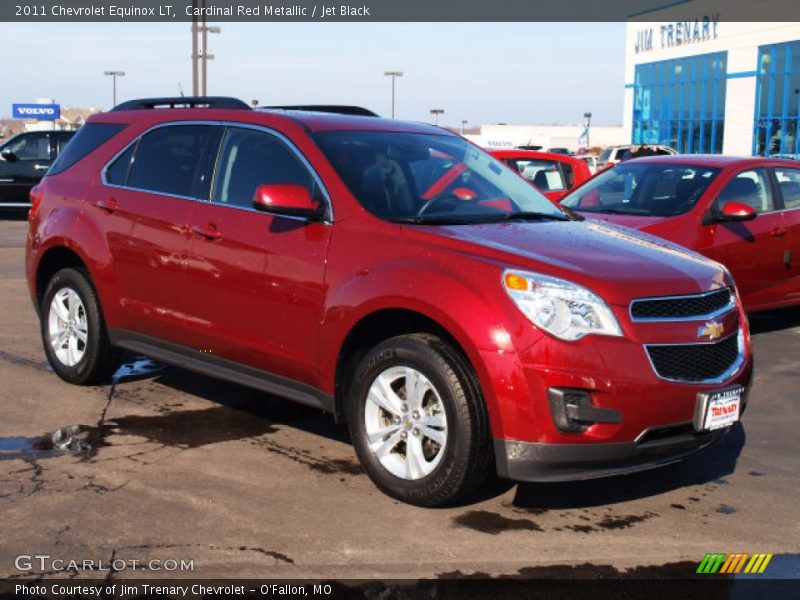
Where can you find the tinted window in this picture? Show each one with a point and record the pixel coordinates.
(88, 138)
(168, 159)
(30, 146)
(251, 158)
(661, 190)
(750, 187)
(789, 184)
(117, 173)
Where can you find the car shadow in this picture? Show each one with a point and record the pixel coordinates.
(774, 320)
(245, 413)
(710, 465)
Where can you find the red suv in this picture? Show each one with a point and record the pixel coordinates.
(392, 274)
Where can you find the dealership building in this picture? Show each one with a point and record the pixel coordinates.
(703, 82)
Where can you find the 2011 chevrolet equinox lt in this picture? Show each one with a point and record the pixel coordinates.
(392, 274)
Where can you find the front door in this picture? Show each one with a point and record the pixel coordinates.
(257, 279)
(752, 250)
(26, 166)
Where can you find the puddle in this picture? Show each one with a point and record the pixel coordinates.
(137, 368)
(61, 441)
(493, 523)
(183, 429)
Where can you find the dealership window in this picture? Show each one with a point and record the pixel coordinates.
(777, 93)
(681, 103)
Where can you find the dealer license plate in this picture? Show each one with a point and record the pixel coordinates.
(718, 409)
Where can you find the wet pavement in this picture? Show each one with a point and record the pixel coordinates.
(167, 464)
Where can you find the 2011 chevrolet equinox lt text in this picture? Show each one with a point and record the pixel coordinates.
(392, 274)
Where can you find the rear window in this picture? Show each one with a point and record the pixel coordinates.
(88, 138)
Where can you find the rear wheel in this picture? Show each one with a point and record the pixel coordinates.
(418, 421)
(73, 331)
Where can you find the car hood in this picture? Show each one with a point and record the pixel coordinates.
(618, 263)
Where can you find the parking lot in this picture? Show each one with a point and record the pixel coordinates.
(245, 485)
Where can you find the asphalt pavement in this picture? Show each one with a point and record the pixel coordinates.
(169, 465)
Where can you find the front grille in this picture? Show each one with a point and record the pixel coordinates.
(681, 307)
(694, 362)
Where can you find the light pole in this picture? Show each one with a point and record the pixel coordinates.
(393, 75)
(114, 75)
(200, 84)
(463, 122)
(588, 117)
(436, 112)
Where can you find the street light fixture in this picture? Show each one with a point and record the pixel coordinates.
(114, 75)
(436, 112)
(393, 75)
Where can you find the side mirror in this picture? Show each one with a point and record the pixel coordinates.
(737, 211)
(286, 199)
(8, 155)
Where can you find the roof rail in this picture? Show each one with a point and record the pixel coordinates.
(339, 109)
(183, 102)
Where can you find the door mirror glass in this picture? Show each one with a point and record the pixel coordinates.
(285, 199)
(8, 155)
(737, 211)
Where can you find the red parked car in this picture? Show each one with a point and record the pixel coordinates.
(392, 274)
(553, 174)
(742, 212)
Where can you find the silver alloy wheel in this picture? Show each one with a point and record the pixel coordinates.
(67, 326)
(405, 423)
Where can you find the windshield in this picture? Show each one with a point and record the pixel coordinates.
(421, 178)
(653, 190)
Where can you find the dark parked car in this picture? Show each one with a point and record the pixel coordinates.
(389, 273)
(24, 159)
(742, 212)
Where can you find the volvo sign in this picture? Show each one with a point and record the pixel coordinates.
(41, 112)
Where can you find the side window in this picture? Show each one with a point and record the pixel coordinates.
(750, 187)
(251, 158)
(87, 139)
(32, 146)
(168, 159)
(117, 172)
(789, 184)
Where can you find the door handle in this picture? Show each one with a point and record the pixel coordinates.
(208, 231)
(777, 232)
(41, 167)
(109, 205)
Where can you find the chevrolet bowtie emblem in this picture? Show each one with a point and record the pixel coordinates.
(712, 330)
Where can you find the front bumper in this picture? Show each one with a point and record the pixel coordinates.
(543, 462)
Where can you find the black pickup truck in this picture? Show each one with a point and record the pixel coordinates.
(24, 159)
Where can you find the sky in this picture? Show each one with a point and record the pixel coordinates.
(516, 73)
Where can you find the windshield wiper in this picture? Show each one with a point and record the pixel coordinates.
(616, 211)
(470, 219)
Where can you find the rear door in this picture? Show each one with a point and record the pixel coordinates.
(143, 211)
(752, 250)
(788, 183)
(257, 279)
(31, 159)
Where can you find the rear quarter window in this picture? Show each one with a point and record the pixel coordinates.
(87, 139)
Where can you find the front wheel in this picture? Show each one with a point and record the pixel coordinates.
(73, 332)
(418, 421)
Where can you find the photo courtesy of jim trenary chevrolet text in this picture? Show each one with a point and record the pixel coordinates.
(378, 299)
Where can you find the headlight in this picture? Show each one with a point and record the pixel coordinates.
(561, 308)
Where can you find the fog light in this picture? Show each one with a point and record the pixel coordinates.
(573, 412)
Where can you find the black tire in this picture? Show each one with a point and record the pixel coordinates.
(467, 457)
(100, 359)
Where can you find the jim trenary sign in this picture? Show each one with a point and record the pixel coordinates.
(42, 112)
(678, 33)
